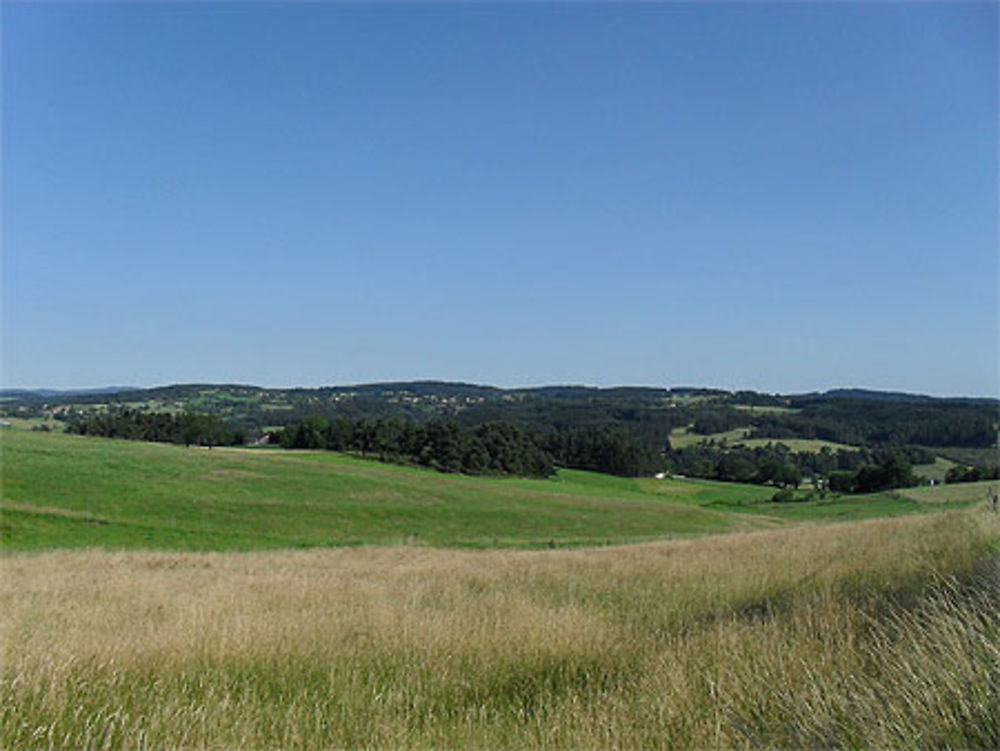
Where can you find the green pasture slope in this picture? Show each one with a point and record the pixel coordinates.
(681, 438)
(62, 491)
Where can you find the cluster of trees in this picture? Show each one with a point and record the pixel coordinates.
(494, 448)
(491, 448)
(892, 472)
(861, 471)
(772, 464)
(972, 474)
(718, 421)
(187, 428)
(610, 450)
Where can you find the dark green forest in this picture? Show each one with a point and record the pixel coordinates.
(445, 445)
(189, 428)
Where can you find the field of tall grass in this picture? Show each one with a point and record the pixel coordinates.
(880, 633)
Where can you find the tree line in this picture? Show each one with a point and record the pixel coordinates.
(447, 446)
(857, 471)
(491, 448)
(975, 473)
(608, 449)
(186, 428)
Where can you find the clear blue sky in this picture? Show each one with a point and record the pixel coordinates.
(777, 197)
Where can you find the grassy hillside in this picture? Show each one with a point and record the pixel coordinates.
(936, 471)
(967, 492)
(873, 634)
(69, 491)
(65, 491)
(684, 438)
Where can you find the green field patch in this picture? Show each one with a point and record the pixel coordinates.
(958, 493)
(153, 405)
(756, 500)
(766, 409)
(969, 456)
(28, 508)
(799, 445)
(225, 475)
(839, 508)
(33, 423)
(936, 471)
(684, 437)
(691, 490)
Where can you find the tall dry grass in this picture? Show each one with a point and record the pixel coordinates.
(882, 633)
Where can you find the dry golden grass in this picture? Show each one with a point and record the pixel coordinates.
(815, 636)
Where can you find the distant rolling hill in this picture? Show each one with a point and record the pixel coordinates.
(450, 389)
(42, 394)
(899, 396)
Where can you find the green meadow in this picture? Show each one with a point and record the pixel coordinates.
(68, 491)
(684, 438)
(936, 471)
(63, 491)
(808, 445)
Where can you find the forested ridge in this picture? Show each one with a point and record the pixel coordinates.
(865, 422)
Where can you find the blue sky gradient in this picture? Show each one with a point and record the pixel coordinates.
(779, 197)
